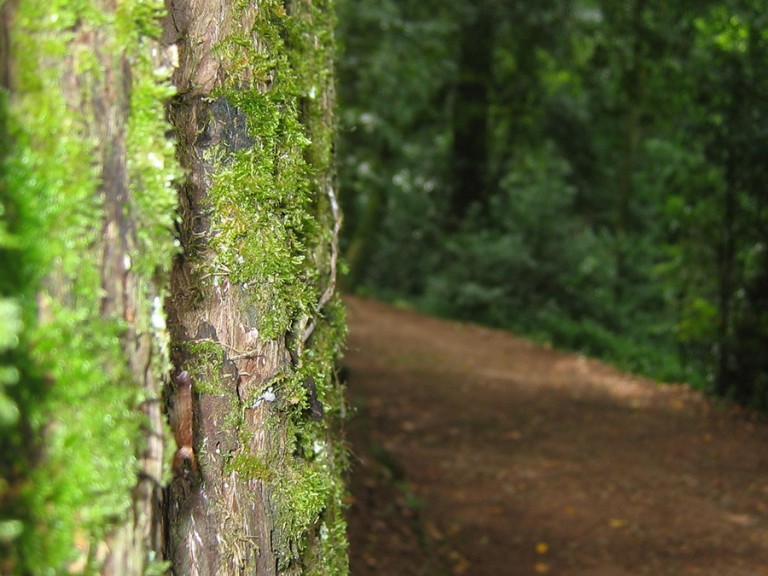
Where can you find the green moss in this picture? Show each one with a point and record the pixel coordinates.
(262, 199)
(273, 233)
(79, 430)
(204, 359)
(248, 466)
(10, 326)
(310, 491)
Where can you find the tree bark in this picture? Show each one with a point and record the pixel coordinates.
(88, 185)
(252, 312)
(249, 241)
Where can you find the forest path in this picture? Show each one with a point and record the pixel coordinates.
(481, 454)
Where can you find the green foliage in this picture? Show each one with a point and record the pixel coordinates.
(525, 238)
(622, 209)
(532, 265)
(10, 326)
(394, 78)
(11, 527)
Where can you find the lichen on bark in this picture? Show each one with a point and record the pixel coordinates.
(255, 289)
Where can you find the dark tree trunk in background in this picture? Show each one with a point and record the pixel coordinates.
(726, 271)
(633, 93)
(470, 112)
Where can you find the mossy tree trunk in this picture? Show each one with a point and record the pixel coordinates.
(252, 314)
(88, 207)
(86, 244)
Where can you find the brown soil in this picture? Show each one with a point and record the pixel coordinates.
(479, 453)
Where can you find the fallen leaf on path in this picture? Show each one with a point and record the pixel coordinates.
(741, 519)
(433, 531)
(460, 564)
(617, 523)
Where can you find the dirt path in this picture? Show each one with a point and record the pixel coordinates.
(482, 454)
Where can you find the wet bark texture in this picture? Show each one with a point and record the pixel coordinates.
(220, 522)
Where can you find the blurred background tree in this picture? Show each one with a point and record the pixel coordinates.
(589, 172)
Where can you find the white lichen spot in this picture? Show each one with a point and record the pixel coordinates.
(162, 71)
(197, 538)
(172, 53)
(158, 317)
(126, 262)
(251, 337)
(267, 396)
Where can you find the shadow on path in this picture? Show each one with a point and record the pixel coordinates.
(479, 453)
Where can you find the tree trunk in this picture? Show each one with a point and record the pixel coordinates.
(89, 201)
(726, 264)
(633, 94)
(470, 113)
(253, 318)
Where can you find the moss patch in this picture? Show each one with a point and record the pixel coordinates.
(79, 430)
(272, 230)
(261, 198)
